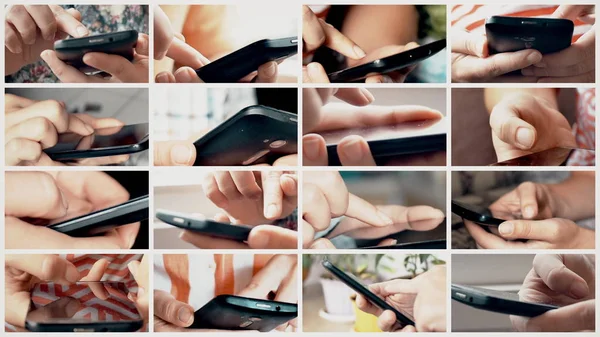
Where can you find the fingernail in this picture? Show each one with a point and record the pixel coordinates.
(162, 78)
(73, 275)
(184, 315)
(579, 290)
(181, 154)
(314, 71)
(393, 242)
(524, 137)
(45, 54)
(534, 57)
(18, 50)
(368, 95)
(359, 52)
(506, 228)
(186, 77)
(353, 150)
(528, 212)
(310, 148)
(386, 220)
(82, 31)
(272, 211)
(141, 291)
(271, 69)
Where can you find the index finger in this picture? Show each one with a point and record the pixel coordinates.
(44, 19)
(469, 43)
(337, 116)
(527, 193)
(270, 277)
(45, 267)
(98, 188)
(571, 12)
(364, 211)
(272, 194)
(163, 33)
(558, 277)
(68, 23)
(185, 55)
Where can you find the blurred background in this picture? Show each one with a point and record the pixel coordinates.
(502, 272)
(328, 305)
(483, 188)
(129, 105)
(184, 112)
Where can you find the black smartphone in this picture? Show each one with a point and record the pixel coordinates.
(228, 312)
(71, 51)
(355, 284)
(509, 34)
(238, 233)
(388, 64)
(373, 237)
(477, 214)
(497, 301)
(103, 142)
(387, 142)
(82, 307)
(557, 156)
(106, 219)
(255, 135)
(237, 65)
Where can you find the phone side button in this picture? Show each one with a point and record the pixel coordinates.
(460, 295)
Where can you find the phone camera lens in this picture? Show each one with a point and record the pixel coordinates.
(277, 308)
(110, 39)
(277, 144)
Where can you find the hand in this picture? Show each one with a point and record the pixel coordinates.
(471, 61)
(28, 30)
(531, 201)
(32, 126)
(276, 281)
(423, 297)
(174, 153)
(22, 272)
(260, 237)
(315, 73)
(523, 124)
(35, 199)
(352, 150)
(253, 197)
(325, 196)
(552, 233)
(277, 277)
(575, 64)
(118, 68)
(416, 218)
(565, 280)
(141, 275)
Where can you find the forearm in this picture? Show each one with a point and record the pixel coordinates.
(494, 95)
(576, 196)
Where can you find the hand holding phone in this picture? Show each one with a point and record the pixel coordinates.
(29, 210)
(334, 140)
(401, 319)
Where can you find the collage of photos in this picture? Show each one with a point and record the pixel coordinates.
(302, 168)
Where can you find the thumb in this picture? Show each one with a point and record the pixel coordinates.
(272, 237)
(51, 268)
(507, 124)
(575, 317)
(469, 43)
(174, 153)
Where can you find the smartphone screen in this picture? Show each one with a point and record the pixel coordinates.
(397, 131)
(102, 138)
(80, 303)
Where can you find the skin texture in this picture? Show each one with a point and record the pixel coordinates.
(279, 273)
(565, 280)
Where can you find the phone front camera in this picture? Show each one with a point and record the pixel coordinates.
(277, 144)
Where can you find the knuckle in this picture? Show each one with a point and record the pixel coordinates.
(52, 195)
(40, 127)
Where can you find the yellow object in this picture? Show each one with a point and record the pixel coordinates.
(364, 322)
